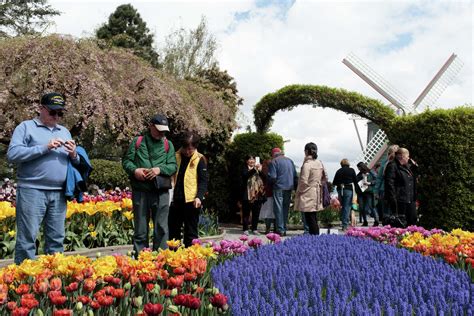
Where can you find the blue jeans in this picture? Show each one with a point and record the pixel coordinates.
(345, 198)
(146, 206)
(281, 207)
(34, 207)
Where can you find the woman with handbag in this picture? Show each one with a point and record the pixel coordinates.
(309, 194)
(253, 194)
(189, 189)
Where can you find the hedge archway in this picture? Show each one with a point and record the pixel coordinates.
(440, 141)
(320, 96)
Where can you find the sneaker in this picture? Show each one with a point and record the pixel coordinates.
(246, 232)
(365, 224)
(255, 232)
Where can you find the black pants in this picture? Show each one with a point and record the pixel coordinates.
(312, 221)
(409, 210)
(248, 207)
(184, 213)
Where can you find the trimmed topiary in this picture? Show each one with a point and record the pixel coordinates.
(108, 174)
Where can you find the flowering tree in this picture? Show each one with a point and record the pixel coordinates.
(110, 94)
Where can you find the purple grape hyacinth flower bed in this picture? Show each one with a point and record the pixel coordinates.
(341, 275)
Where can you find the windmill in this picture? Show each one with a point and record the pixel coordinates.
(377, 143)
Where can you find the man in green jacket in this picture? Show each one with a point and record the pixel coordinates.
(148, 156)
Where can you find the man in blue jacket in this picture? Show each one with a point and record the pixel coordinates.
(282, 174)
(41, 149)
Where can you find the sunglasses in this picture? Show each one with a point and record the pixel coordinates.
(55, 112)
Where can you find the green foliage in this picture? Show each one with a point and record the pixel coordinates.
(25, 17)
(5, 168)
(328, 216)
(442, 143)
(187, 52)
(126, 28)
(108, 174)
(320, 96)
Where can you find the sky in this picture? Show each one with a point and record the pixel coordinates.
(268, 44)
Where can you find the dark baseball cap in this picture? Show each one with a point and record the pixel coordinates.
(53, 101)
(160, 122)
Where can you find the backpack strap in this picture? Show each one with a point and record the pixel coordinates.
(139, 141)
(165, 141)
(167, 144)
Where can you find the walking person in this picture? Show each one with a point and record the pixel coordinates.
(148, 157)
(344, 180)
(400, 186)
(309, 194)
(189, 190)
(41, 149)
(282, 174)
(253, 193)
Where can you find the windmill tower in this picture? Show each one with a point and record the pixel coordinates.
(377, 140)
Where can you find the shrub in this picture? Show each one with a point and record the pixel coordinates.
(108, 174)
(442, 144)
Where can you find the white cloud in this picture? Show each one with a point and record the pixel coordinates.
(268, 50)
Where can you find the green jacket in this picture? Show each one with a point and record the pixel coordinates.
(150, 154)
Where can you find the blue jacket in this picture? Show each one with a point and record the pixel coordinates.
(282, 173)
(77, 175)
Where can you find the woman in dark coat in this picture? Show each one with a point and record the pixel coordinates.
(400, 186)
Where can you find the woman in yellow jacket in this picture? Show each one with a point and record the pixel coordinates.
(189, 189)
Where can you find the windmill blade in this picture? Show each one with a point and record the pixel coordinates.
(439, 83)
(375, 81)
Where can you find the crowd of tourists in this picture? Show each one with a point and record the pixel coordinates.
(168, 186)
(387, 192)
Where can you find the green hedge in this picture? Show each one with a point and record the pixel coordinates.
(442, 143)
(321, 96)
(108, 174)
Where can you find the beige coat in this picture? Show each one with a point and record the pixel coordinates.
(309, 195)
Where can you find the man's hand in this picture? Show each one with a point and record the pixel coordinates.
(70, 147)
(140, 174)
(55, 143)
(152, 173)
(197, 203)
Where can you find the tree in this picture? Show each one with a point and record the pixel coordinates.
(188, 52)
(127, 29)
(25, 17)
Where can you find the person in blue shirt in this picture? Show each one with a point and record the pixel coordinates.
(283, 177)
(41, 149)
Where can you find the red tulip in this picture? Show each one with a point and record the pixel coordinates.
(153, 309)
(55, 284)
(105, 300)
(22, 289)
(218, 300)
(194, 302)
(72, 287)
(11, 305)
(118, 293)
(89, 285)
(63, 312)
(179, 270)
(41, 287)
(20, 311)
(84, 299)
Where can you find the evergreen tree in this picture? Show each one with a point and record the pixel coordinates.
(25, 17)
(127, 29)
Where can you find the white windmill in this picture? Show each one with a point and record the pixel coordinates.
(377, 143)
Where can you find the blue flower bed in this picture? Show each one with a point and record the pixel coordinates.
(340, 275)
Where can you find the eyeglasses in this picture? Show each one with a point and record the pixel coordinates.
(55, 112)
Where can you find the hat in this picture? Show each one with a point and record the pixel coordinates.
(160, 122)
(53, 101)
(275, 151)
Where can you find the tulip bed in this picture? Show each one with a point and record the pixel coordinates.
(455, 247)
(173, 282)
(100, 221)
(342, 275)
